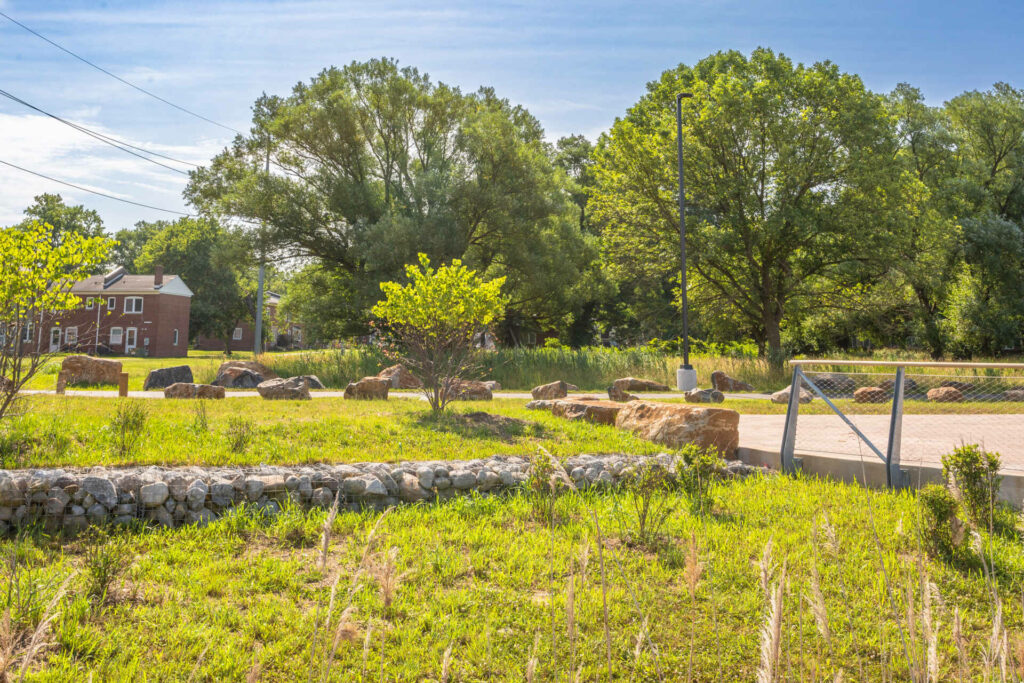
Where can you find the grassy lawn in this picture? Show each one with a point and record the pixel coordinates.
(245, 599)
(75, 431)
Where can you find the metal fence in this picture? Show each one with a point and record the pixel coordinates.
(903, 414)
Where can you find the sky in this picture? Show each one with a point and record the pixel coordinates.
(575, 65)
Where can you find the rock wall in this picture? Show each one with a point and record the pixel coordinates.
(71, 500)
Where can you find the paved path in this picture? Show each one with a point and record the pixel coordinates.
(925, 437)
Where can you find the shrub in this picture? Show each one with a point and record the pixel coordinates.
(126, 427)
(240, 433)
(974, 473)
(434, 320)
(105, 558)
(542, 486)
(646, 490)
(943, 530)
(695, 472)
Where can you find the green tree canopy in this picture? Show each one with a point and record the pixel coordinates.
(372, 163)
(50, 209)
(789, 177)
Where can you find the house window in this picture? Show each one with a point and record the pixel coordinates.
(175, 342)
(26, 332)
(237, 334)
(111, 302)
(89, 303)
(115, 335)
(70, 336)
(133, 304)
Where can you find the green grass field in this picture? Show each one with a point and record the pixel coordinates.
(490, 583)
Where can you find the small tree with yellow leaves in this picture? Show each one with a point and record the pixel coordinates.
(36, 276)
(433, 321)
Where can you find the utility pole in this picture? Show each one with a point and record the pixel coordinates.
(686, 376)
(257, 343)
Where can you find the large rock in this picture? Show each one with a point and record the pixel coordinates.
(184, 390)
(291, 389)
(1013, 395)
(675, 425)
(596, 411)
(634, 384)
(400, 377)
(242, 374)
(945, 395)
(368, 388)
(548, 392)
(89, 370)
(870, 395)
(312, 381)
(162, 378)
(833, 383)
(617, 392)
(909, 385)
(965, 388)
(494, 385)
(704, 396)
(470, 390)
(782, 396)
(723, 382)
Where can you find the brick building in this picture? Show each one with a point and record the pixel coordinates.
(124, 314)
(281, 330)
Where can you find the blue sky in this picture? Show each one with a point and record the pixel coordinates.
(575, 65)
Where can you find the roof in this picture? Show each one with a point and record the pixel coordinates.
(131, 284)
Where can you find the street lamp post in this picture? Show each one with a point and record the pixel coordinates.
(686, 376)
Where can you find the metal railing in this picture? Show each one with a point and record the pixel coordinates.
(951, 404)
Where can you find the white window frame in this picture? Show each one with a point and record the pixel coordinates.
(136, 310)
(237, 334)
(89, 303)
(111, 302)
(71, 335)
(119, 338)
(175, 342)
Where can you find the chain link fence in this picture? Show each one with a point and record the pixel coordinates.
(905, 415)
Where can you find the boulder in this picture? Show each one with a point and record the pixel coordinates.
(964, 387)
(368, 388)
(291, 389)
(596, 411)
(242, 374)
(184, 390)
(162, 378)
(945, 395)
(400, 378)
(312, 381)
(870, 395)
(634, 384)
(1013, 395)
(539, 405)
(723, 382)
(833, 383)
(548, 392)
(909, 385)
(470, 390)
(782, 396)
(617, 392)
(675, 425)
(493, 385)
(89, 370)
(704, 396)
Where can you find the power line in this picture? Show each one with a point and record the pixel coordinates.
(106, 139)
(115, 76)
(95, 192)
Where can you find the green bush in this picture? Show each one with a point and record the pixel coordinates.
(696, 475)
(974, 473)
(943, 530)
(648, 505)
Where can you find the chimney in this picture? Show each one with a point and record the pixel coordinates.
(158, 276)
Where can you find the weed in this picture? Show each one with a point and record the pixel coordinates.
(646, 491)
(105, 557)
(200, 422)
(943, 530)
(126, 427)
(974, 474)
(240, 432)
(696, 472)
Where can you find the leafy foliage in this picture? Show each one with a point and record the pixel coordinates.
(974, 473)
(435, 319)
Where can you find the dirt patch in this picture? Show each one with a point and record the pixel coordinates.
(499, 425)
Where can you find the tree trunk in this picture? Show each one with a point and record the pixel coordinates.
(773, 338)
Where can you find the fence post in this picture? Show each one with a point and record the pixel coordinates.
(122, 384)
(893, 473)
(789, 433)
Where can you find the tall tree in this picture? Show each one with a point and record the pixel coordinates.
(216, 265)
(51, 210)
(788, 169)
(373, 163)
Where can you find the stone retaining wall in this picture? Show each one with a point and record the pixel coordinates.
(71, 500)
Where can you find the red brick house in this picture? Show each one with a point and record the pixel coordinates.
(124, 314)
(245, 333)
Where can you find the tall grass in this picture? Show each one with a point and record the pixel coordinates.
(521, 369)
